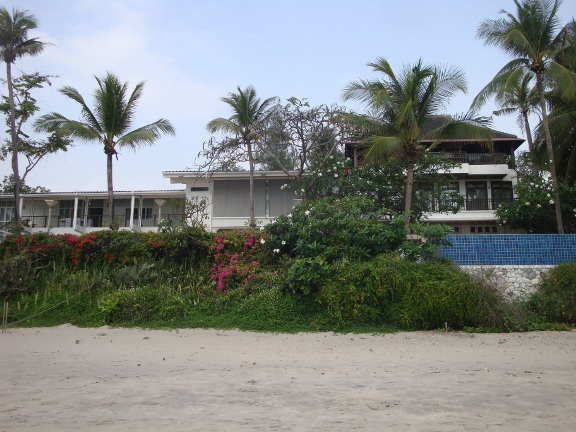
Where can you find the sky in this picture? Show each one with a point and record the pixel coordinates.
(191, 53)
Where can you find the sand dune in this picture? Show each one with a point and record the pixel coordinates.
(70, 379)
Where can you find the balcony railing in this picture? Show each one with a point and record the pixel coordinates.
(485, 204)
(97, 221)
(478, 158)
(471, 204)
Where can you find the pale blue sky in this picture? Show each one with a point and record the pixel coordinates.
(193, 52)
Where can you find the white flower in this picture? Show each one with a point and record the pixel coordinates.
(532, 184)
(335, 175)
(262, 228)
(289, 215)
(331, 157)
(262, 241)
(276, 250)
(302, 190)
(283, 242)
(319, 174)
(538, 205)
(307, 212)
(527, 203)
(551, 201)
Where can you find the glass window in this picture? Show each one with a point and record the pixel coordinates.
(501, 193)
(6, 211)
(476, 196)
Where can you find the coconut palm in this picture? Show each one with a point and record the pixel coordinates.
(109, 122)
(14, 43)
(533, 37)
(514, 93)
(401, 108)
(249, 114)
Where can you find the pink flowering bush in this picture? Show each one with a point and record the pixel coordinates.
(238, 255)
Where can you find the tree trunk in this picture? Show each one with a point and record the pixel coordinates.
(14, 139)
(409, 189)
(550, 149)
(109, 155)
(251, 163)
(528, 132)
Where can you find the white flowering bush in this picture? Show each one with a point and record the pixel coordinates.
(317, 234)
(533, 208)
(385, 184)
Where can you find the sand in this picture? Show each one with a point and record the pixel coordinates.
(103, 379)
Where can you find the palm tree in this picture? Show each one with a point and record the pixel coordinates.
(249, 114)
(14, 43)
(401, 108)
(515, 94)
(108, 123)
(532, 36)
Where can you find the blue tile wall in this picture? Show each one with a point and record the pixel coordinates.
(511, 249)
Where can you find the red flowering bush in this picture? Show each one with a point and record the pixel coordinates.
(46, 248)
(238, 256)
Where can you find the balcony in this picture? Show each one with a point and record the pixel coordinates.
(97, 221)
(479, 158)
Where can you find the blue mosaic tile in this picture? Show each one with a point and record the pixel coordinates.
(511, 249)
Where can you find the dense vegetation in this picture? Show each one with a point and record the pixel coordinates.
(348, 269)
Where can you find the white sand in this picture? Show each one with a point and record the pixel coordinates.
(71, 379)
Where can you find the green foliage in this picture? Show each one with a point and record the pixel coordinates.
(555, 301)
(17, 274)
(352, 228)
(425, 295)
(533, 209)
(319, 233)
(385, 184)
(141, 305)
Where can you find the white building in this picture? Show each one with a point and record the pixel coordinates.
(485, 179)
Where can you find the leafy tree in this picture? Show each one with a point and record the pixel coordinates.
(300, 137)
(384, 184)
(14, 43)
(109, 122)
(25, 109)
(533, 38)
(8, 185)
(399, 109)
(245, 125)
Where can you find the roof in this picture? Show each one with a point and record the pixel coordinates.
(103, 194)
(440, 120)
(223, 175)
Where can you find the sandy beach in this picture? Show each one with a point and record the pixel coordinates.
(102, 379)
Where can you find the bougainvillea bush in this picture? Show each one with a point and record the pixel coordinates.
(237, 258)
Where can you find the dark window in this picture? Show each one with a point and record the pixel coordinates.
(501, 193)
(476, 196)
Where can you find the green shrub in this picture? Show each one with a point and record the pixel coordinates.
(555, 301)
(141, 305)
(409, 295)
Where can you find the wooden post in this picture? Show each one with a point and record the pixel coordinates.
(5, 317)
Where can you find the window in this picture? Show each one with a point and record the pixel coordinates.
(6, 211)
(448, 197)
(476, 196)
(146, 213)
(501, 193)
